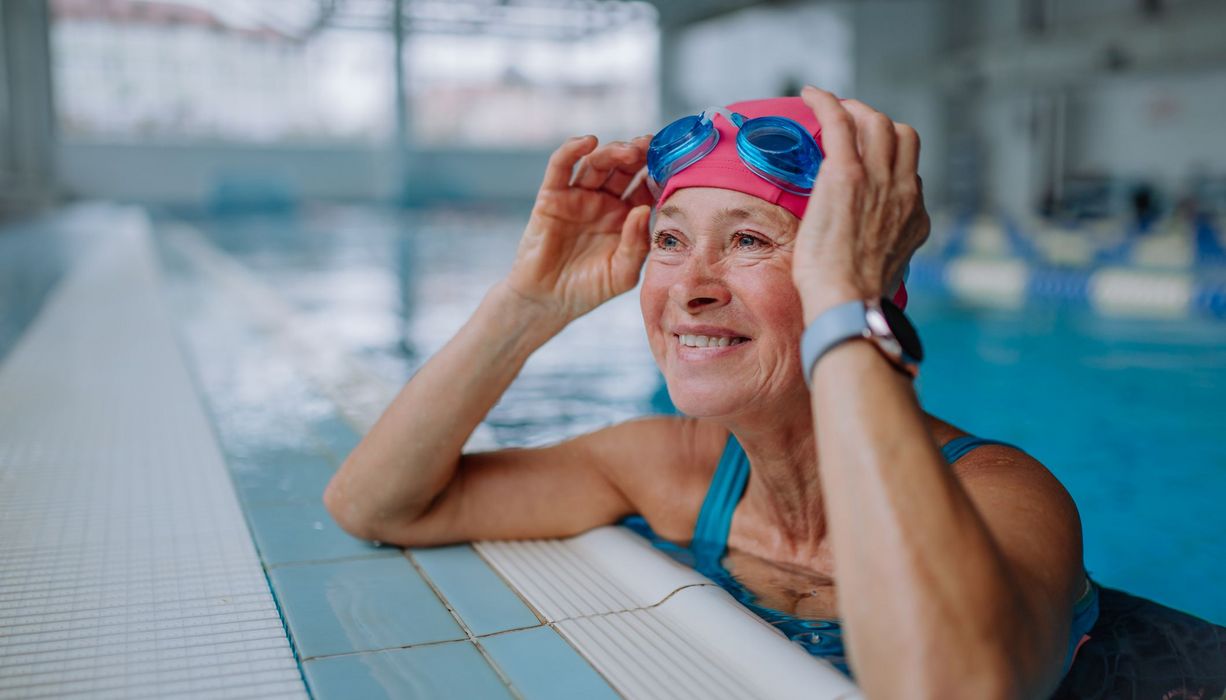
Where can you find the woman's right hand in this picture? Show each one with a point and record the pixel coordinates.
(583, 244)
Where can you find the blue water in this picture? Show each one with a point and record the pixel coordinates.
(1126, 413)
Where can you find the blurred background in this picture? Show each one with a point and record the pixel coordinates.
(355, 173)
(1074, 110)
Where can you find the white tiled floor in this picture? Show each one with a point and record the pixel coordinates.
(126, 568)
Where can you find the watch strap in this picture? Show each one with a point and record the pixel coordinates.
(831, 327)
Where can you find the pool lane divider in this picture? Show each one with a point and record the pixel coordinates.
(1170, 272)
(364, 620)
(1110, 291)
(643, 625)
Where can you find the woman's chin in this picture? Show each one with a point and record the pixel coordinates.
(703, 401)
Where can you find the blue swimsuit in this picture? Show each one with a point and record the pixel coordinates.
(821, 638)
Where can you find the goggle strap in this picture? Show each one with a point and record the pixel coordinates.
(709, 113)
(635, 181)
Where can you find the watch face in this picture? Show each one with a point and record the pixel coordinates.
(903, 331)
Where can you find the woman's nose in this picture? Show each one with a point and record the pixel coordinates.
(700, 286)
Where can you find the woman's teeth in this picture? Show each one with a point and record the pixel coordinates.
(706, 341)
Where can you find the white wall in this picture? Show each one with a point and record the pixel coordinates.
(1159, 128)
(757, 52)
(1153, 119)
(892, 39)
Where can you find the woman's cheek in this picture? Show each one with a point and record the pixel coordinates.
(653, 296)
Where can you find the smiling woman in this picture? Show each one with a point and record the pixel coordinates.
(954, 562)
(709, 247)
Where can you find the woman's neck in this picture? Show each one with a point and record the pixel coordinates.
(782, 511)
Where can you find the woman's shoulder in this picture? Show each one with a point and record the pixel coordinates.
(663, 465)
(983, 448)
(997, 467)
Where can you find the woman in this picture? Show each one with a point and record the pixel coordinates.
(954, 580)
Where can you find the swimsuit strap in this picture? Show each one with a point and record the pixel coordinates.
(727, 487)
(732, 474)
(957, 448)
(710, 539)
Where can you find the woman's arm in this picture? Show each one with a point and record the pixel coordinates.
(412, 452)
(582, 246)
(948, 589)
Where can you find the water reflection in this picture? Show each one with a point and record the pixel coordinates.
(796, 601)
(392, 287)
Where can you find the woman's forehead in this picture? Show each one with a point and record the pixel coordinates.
(718, 207)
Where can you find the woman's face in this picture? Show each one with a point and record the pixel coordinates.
(721, 312)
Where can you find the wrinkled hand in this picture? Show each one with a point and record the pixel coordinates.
(583, 244)
(866, 214)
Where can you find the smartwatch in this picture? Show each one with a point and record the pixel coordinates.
(879, 321)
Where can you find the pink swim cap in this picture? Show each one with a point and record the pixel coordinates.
(723, 168)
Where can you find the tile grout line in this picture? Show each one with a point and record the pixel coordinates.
(552, 624)
(473, 639)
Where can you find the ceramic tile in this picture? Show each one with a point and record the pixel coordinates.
(302, 533)
(281, 476)
(360, 605)
(478, 595)
(543, 666)
(455, 670)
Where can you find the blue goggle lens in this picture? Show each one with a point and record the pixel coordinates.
(781, 151)
(679, 145)
(776, 149)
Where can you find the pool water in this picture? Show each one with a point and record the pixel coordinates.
(1126, 413)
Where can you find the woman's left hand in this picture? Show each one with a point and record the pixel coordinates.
(866, 214)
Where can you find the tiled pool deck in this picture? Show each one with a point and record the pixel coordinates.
(127, 568)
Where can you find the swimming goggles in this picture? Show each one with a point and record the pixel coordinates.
(777, 149)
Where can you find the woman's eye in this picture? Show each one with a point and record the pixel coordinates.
(746, 241)
(665, 241)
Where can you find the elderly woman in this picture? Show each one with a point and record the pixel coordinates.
(954, 579)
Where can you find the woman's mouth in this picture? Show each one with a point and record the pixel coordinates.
(701, 348)
(708, 341)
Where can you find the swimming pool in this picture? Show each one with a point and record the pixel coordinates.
(1125, 412)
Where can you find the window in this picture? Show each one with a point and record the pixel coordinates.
(500, 89)
(133, 70)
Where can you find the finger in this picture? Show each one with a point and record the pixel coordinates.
(838, 128)
(562, 161)
(906, 161)
(635, 191)
(632, 248)
(596, 168)
(621, 178)
(617, 181)
(876, 137)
